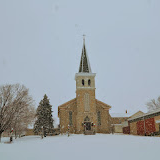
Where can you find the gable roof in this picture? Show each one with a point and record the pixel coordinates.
(64, 105)
(139, 113)
(104, 105)
(126, 115)
(120, 115)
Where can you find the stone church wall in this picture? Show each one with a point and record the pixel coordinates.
(105, 125)
(81, 110)
(79, 115)
(64, 117)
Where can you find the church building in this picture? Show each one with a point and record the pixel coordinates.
(84, 114)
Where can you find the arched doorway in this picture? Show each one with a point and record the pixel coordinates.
(87, 124)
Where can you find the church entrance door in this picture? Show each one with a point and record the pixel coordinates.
(88, 126)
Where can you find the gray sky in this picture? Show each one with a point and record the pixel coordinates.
(41, 42)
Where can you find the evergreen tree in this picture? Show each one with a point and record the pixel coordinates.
(44, 122)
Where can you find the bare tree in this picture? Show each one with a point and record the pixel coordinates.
(22, 119)
(153, 104)
(14, 99)
(158, 101)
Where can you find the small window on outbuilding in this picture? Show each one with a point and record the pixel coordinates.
(89, 82)
(83, 82)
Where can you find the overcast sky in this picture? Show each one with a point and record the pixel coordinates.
(41, 43)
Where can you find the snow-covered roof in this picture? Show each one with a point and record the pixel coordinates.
(118, 115)
(146, 114)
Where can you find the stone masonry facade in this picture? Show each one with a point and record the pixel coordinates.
(78, 118)
(84, 113)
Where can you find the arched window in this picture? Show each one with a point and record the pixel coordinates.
(70, 118)
(99, 118)
(89, 82)
(83, 82)
(86, 102)
(87, 119)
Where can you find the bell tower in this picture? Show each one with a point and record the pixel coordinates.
(85, 92)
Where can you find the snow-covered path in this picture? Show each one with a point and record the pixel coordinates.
(80, 147)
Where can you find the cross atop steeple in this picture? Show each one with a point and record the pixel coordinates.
(84, 39)
(84, 63)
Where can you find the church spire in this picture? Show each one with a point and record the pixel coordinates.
(84, 63)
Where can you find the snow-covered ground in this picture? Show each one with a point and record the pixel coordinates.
(81, 147)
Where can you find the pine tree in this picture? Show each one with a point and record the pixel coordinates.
(44, 122)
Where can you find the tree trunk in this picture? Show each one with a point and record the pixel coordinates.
(1, 131)
(42, 133)
(15, 134)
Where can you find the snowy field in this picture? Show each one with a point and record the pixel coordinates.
(81, 147)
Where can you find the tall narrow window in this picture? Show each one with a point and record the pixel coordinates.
(70, 118)
(86, 102)
(89, 82)
(99, 118)
(83, 82)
